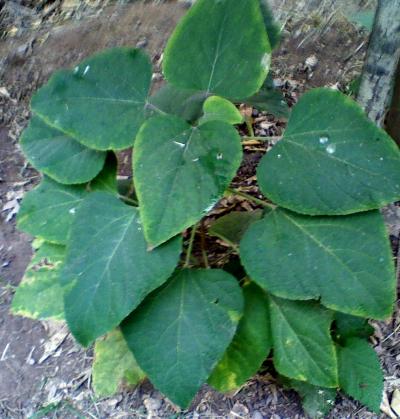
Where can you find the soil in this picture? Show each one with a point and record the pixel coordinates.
(43, 373)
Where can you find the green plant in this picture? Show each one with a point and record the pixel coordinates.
(316, 254)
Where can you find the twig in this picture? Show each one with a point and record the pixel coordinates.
(190, 247)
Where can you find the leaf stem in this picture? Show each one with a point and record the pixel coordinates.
(203, 245)
(190, 247)
(251, 198)
(249, 126)
(128, 200)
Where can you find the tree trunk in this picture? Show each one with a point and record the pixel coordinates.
(383, 55)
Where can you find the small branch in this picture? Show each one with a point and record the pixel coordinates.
(251, 198)
(203, 245)
(258, 140)
(249, 126)
(190, 247)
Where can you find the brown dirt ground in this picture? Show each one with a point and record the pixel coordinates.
(37, 42)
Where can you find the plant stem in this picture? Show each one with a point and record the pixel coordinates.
(190, 247)
(252, 198)
(203, 245)
(249, 126)
(128, 200)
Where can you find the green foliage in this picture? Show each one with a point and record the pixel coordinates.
(112, 102)
(113, 253)
(109, 251)
(360, 373)
(219, 109)
(39, 295)
(195, 316)
(58, 155)
(113, 365)
(332, 160)
(231, 227)
(250, 345)
(317, 401)
(292, 255)
(303, 348)
(181, 172)
(228, 57)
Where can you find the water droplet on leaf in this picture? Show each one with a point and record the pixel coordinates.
(179, 144)
(331, 148)
(323, 140)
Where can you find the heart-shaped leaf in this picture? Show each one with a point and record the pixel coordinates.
(332, 160)
(360, 374)
(181, 172)
(39, 295)
(58, 155)
(181, 330)
(303, 348)
(48, 210)
(207, 52)
(250, 345)
(108, 270)
(113, 365)
(101, 102)
(219, 109)
(345, 261)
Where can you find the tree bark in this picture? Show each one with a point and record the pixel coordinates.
(377, 83)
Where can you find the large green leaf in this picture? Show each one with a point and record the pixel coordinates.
(48, 210)
(360, 374)
(58, 155)
(219, 109)
(108, 269)
(188, 104)
(181, 330)
(303, 348)
(344, 261)
(219, 47)
(181, 172)
(331, 160)
(113, 365)
(39, 295)
(231, 227)
(317, 402)
(101, 102)
(250, 345)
